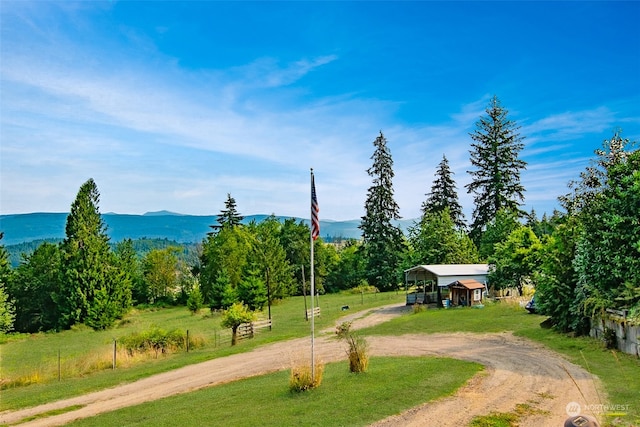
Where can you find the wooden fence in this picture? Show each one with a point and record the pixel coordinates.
(247, 330)
(316, 312)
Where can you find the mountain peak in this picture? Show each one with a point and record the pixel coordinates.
(162, 213)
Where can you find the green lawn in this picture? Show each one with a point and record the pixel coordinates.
(619, 372)
(82, 349)
(343, 399)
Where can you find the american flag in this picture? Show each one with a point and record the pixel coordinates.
(315, 221)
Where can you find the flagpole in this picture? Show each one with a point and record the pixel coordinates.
(312, 278)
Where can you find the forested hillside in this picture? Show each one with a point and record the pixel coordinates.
(22, 228)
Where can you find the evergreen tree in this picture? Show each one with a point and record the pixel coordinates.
(93, 290)
(224, 253)
(270, 255)
(384, 244)
(496, 180)
(229, 216)
(36, 282)
(7, 308)
(252, 291)
(437, 240)
(195, 301)
(127, 260)
(444, 195)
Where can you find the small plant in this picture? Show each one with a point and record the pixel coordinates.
(195, 300)
(358, 348)
(418, 308)
(610, 339)
(301, 378)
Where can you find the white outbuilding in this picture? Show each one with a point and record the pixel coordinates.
(427, 284)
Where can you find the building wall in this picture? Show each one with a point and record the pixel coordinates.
(627, 335)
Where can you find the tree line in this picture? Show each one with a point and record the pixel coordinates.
(581, 261)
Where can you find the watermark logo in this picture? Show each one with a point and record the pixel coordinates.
(573, 409)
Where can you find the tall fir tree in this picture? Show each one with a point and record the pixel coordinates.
(229, 216)
(383, 241)
(444, 195)
(496, 180)
(94, 290)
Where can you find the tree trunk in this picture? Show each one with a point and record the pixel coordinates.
(234, 334)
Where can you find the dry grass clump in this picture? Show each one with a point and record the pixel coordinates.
(301, 378)
(358, 348)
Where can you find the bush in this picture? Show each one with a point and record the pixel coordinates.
(157, 340)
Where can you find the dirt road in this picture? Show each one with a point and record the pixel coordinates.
(517, 371)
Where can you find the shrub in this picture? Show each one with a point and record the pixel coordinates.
(195, 300)
(157, 340)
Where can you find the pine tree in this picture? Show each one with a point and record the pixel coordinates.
(444, 195)
(7, 307)
(383, 241)
(94, 290)
(229, 216)
(496, 181)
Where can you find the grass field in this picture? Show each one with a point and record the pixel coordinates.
(86, 355)
(619, 372)
(343, 399)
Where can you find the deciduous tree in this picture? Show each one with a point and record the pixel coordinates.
(235, 316)
(161, 274)
(557, 279)
(515, 260)
(606, 201)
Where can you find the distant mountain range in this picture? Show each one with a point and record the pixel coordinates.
(20, 228)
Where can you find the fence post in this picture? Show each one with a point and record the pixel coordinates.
(59, 369)
(114, 354)
(187, 341)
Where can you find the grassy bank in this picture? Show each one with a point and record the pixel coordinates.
(30, 363)
(342, 399)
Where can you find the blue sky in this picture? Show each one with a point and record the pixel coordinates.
(172, 105)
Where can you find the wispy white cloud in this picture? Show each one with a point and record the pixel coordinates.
(267, 72)
(567, 125)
